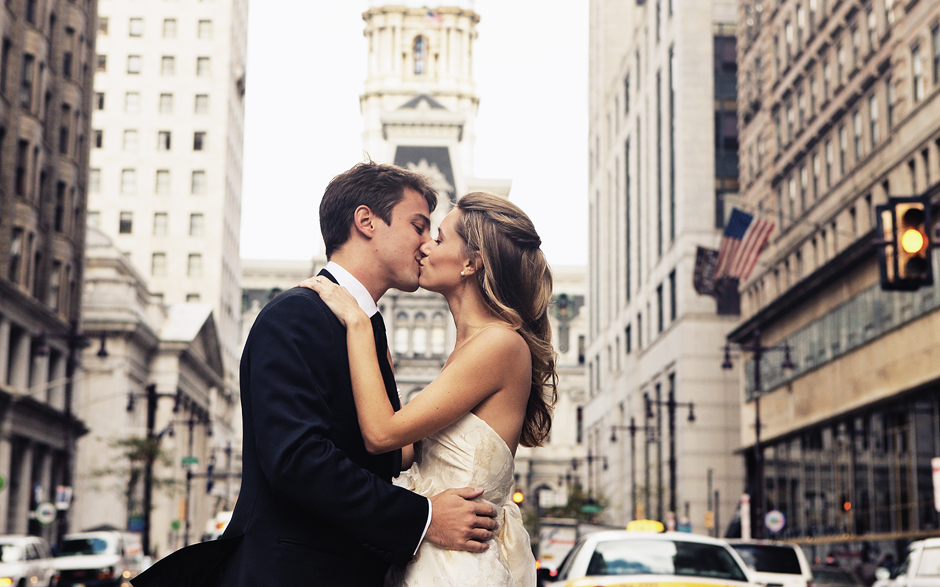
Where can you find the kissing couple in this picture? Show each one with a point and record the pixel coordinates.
(342, 485)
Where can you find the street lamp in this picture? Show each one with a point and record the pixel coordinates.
(671, 405)
(757, 349)
(632, 429)
(76, 341)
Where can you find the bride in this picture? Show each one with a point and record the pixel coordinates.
(495, 392)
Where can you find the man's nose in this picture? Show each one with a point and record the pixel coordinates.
(425, 248)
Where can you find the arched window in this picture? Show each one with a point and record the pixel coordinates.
(419, 339)
(401, 333)
(421, 55)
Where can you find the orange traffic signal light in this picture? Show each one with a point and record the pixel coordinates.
(904, 231)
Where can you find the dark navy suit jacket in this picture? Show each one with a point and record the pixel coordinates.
(315, 508)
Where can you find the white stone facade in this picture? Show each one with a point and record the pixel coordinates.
(654, 197)
(166, 162)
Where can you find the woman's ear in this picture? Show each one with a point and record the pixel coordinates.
(473, 264)
(363, 221)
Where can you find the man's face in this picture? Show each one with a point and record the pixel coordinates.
(397, 245)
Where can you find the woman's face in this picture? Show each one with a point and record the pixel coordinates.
(444, 257)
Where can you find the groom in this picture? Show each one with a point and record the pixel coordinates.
(315, 508)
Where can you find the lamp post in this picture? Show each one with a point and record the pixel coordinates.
(757, 349)
(76, 341)
(671, 405)
(152, 445)
(632, 429)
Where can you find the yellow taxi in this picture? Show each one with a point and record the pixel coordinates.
(647, 558)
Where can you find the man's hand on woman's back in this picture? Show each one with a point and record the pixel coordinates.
(457, 523)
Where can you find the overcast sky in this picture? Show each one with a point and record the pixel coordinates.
(306, 68)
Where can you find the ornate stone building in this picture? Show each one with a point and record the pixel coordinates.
(46, 68)
(840, 109)
(663, 166)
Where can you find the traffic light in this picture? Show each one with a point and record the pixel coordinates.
(904, 228)
(518, 497)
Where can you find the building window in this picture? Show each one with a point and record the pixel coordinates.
(202, 104)
(194, 265)
(935, 45)
(163, 140)
(857, 134)
(843, 148)
(126, 223)
(827, 79)
(829, 163)
(132, 102)
(99, 100)
(673, 297)
(102, 64)
(103, 25)
(197, 225)
(169, 28)
(815, 164)
(131, 141)
(26, 85)
(199, 140)
(872, 28)
(133, 64)
(98, 138)
(136, 27)
(203, 67)
(160, 223)
(166, 103)
(16, 255)
(199, 182)
(192, 298)
(204, 29)
(158, 265)
(873, 120)
(163, 182)
(129, 181)
(93, 219)
(889, 89)
(917, 74)
(168, 65)
(420, 49)
(94, 180)
(856, 46)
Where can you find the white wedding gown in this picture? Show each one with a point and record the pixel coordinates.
(468, 453)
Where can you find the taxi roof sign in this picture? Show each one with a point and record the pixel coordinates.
(645, 526)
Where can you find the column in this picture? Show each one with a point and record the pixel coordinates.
(20, 493)
(4, 347)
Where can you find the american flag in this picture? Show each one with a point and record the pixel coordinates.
(743, 240)
(435, 16)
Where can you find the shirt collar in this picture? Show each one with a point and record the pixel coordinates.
(359, 291)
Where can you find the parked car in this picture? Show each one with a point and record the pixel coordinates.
(920, 568)
(834, 576)
(103, 558)
(25, 561)
(651, 559)
(775, 564)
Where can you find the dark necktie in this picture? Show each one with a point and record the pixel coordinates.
(381, 349)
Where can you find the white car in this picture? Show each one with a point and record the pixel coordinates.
(25, 561)
(652, 559)
(99, 559)
(921, 566)
(775, 564)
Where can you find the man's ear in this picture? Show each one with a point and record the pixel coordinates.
(363, 221)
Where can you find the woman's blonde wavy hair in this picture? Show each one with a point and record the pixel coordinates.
(516, 282)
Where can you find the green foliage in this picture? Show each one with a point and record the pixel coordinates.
(577, 499)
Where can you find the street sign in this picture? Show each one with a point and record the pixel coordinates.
(45, 513)
(190, 461)
(63, 497)
(775, 521)
(935, 463)
(709, 520)
(590, 508)
(745, 517)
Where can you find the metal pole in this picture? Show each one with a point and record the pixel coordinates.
(189, 479)
(148, 466)
(646, 455)
(633, 466)
(659, 456)
(71, 362)
(671, 405)
(758, 452)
